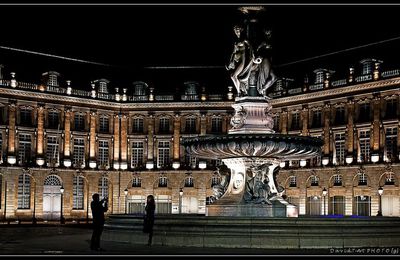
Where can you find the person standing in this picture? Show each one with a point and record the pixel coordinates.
(98, 208)
(149, 218)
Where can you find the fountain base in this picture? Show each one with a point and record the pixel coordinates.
(278, 208)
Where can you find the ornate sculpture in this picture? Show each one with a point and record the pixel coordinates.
(219, 189)
(257, 188)
(250, 67)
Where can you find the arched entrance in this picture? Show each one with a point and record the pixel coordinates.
(52, 198)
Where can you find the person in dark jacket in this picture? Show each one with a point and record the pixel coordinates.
(149, 218)
(98, 208)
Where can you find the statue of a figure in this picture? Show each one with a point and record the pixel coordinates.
(249, 66)
(257, 188)
(241, 61)
(219, 189)
(266, 77)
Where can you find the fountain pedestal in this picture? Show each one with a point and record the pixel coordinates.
(251, 152)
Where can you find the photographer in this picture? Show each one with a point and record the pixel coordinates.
(98, 208)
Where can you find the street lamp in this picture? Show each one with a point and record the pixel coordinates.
(380, 192)
(62, 221)
(180, 200)
(324, 192)
(126, 199)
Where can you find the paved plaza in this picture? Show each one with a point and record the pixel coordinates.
(73, 239)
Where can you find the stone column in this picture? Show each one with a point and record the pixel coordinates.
(350, 128)
(203, 124)
(124, 142)
(176, 143)
(40, 136)
(305, 118)
(92, 140)
(150, 138)
(284, 121)
(11, 133)
(376, 124)
(116, 141)
(67, 137)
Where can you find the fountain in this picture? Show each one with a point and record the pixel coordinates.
(251, 150)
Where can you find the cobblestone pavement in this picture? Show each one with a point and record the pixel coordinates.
(54, 239)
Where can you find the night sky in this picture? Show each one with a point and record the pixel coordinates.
(135, 37)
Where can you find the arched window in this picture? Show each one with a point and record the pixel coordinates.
(215, 180)
(292, 181)
(77, 193)
(163, 181)
(362, 179)
(52, 180)
(314, 180)
(137, 182)
(389, 178)
(337, 180)
(189, 181)
(24, 191)
(103, 187)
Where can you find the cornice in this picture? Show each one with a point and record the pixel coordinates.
(340, 91)
(154, 105)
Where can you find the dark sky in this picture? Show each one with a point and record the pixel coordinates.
(133, 37)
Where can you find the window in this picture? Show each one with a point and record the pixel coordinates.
(314, 180)
(52, 80)
(52, 154)
(313, 205)
(24, 150)
(391, 108)
(390, 143)
(79, 152)
(103, 153)
(336, 205)
(79, 122)
(367, 68)
(317, 160)
(362, 179)
(292, 181)
(137, 154)
(364, 112)
(216, 125)
(319, 77)
(295, 121)
(25, 116)
(189, 181)
(337, 180)
(164, 125)
(77, 193)
(389, 178)
(103, 87)
(190, 125)
(362, 206)
(104, 126)
(316, 119)
(215, 180)
(163, 181)
(190, 161)
(24, 191)
(364, 142)
(53, 120)
(137, 126)
(137, 182)
(340, 116)
(103, 188)
(163, 154)
(276, 122)
(339, 148)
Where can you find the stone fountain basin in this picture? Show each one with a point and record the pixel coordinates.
(276, 146)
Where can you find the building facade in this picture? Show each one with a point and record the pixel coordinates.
(60, 144)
